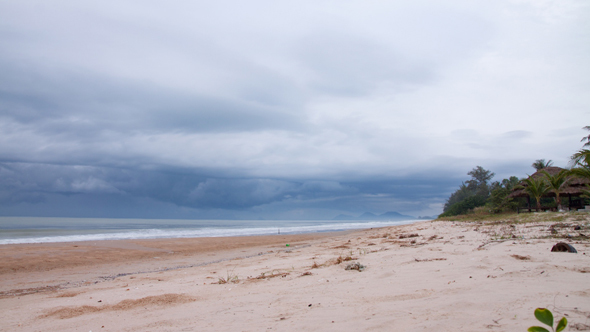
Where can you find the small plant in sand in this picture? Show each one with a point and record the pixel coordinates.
(341, 259)
(231, 278)
(546, 317)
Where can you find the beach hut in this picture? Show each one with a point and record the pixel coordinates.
(572, 190)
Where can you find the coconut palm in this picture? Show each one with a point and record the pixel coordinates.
(582, 172)
(539, 164)
(536, 188)
(581, 158)
(556, 183)
(586, 138)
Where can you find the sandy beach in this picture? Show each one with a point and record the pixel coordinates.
(427, 276)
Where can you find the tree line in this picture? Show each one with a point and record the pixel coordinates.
(479, 191)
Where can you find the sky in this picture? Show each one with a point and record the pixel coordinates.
(281, 110)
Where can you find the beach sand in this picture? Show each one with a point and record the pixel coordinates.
(427, 276)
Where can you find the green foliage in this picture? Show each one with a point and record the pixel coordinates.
(479, 176)
(582, 172)
(546, 317)
(464, 206)
(536, 188)
(586, 138)
(561, 325)
(472, 193)
(499, 201)
(582, 157)
(539, 164)
(476, 192)
(537, 329)
(462, 193)
(230, 278)
(556, 183)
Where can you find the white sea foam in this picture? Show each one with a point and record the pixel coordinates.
(158, 233)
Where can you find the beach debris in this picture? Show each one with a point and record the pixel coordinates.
(577, 228)
(287, 245)
(355, 266)
(341, 259)
(564, 247)
(343, 246)
(430, 259)
(272, 274)
(306, 274)
(580, 327)
(522, 258)
(405, 236)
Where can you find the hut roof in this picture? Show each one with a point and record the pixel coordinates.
(574, 186)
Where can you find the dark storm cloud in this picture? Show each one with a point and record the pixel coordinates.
(180, 187)
(26, 183)
(78, 102)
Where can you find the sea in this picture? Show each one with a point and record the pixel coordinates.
(15, 230)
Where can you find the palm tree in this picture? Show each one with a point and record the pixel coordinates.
(586, 138)
(581, 158)
(556, 183)
(539, 164)
(582, 172)
(536, 188)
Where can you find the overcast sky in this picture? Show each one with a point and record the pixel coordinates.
(288, 110)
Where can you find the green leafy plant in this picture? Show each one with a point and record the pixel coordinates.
(546, 317)
(536, 188)
(556, 183)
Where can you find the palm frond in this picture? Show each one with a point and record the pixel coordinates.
(581, 158)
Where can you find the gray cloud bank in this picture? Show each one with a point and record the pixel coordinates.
(192, 110)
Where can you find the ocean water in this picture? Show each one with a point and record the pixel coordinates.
(14, 230)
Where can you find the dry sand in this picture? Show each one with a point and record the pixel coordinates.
(428, 276)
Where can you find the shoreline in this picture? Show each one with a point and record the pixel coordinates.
(33, 235)
(422, 276)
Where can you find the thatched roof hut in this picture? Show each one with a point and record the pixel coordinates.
(573, 188)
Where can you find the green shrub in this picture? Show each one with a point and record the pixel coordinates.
(546, 317)
(464, 206)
